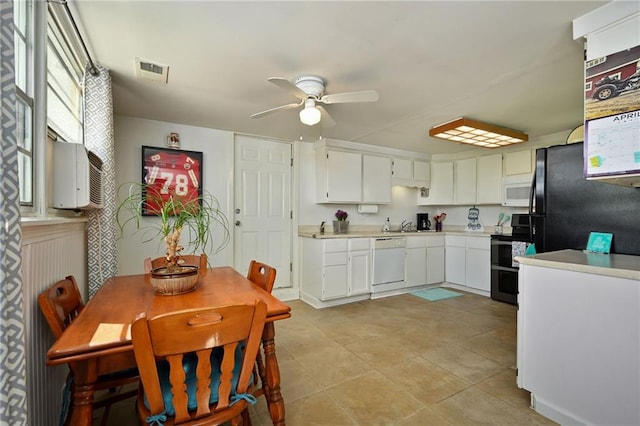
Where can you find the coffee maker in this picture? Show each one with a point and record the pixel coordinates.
(423, 222)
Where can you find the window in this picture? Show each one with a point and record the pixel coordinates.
(64, 89)
(24, 60)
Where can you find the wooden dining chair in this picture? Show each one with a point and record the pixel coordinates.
(60, 304)
(187, 259)
(196, 365)
(263, 276)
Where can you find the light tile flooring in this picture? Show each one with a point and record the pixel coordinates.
(399, 360)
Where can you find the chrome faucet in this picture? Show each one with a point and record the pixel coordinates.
(404, 225)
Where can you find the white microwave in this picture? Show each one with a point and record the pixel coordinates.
(516, 190)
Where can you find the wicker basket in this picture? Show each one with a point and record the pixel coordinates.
(172, 283)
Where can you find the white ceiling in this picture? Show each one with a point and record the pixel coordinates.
(511, 63)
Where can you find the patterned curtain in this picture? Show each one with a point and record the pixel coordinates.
(98, 138)
(13, 390)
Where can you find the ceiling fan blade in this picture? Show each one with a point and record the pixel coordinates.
(276, 109)
(289, 86)
(341, 98)
(327, 120)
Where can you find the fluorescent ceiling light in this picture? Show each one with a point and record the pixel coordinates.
(464, 130)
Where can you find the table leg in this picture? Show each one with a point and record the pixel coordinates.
(83, 390)
(272, 391)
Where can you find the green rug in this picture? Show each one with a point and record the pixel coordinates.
(436, 294)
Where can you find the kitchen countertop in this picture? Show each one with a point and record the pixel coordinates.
(375, 232)
(612, 265)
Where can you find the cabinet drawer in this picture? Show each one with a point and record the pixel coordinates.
(359, 244)
(416, 242)
(333, 259)
(482, 243)
(455, 240)
(435, 241)
(334, 245)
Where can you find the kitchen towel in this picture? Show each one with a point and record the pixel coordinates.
(436, 294)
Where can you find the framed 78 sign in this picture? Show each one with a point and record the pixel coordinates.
(170, 174)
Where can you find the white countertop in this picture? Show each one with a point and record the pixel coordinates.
(613, 265)
(375, 232)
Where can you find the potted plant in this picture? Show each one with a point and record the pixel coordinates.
(177, 216)
(341, 225)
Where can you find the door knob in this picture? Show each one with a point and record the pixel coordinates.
(238, 223)
(237, 211)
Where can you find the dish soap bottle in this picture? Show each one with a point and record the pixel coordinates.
(387, 226)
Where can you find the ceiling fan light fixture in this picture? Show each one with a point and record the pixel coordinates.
(464, 130)
(310, 115)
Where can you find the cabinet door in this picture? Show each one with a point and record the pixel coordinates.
(455, 265)
(416, 267)
(435, 265)
(358, 272)
(402, 168)
(339, 177)
(441, 188)
(478, 269)
(422, 172)
(517, 163)
(465, 181)
(489, 179)
(334, 282)
(376, 179)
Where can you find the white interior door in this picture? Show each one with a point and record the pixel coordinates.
(262, 219)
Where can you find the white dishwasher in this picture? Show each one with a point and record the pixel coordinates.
(388, 264)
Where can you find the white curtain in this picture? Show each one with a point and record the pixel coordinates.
(98, 138)
(13, 391)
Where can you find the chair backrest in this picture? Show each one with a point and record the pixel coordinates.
(224, 341)
(262, 275)
(60, 304)
(187, 259)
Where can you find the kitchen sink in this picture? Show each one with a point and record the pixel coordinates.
(413, 231)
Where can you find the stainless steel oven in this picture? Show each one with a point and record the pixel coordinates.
(504, 247)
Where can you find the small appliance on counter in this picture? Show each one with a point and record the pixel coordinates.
(424, 224)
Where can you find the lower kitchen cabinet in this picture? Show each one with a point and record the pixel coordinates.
(331, 273)
(415, 262)
(359, 266)
(468, 262)
(435, 259)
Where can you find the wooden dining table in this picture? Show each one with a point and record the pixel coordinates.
(98, 341)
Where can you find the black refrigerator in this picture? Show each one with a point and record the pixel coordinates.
(565, 207)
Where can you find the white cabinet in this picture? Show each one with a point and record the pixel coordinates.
(359, 266)
(414, 173)
(376, 179)
(468, 261)
(441, 187)
(465, 181)
(435, 259)
(416, 261)
(338, 176)
(489, 179)
(478, 263)
(335, 270)
(455, 270)
(518, 162)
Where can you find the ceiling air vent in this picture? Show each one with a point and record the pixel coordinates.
(150, 71)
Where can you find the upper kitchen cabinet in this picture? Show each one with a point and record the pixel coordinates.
(376, 179)
(518, 162)
(338, 176)
(352, 177)
(414, 173)
(465, 181)
(441, 187)
(489, 179)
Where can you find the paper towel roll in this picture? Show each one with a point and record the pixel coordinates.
(367, 208)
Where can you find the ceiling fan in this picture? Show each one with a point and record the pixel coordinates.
(310, 90)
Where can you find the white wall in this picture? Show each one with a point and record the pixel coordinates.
(217, 148)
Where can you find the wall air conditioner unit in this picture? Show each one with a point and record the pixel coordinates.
(77, 177)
